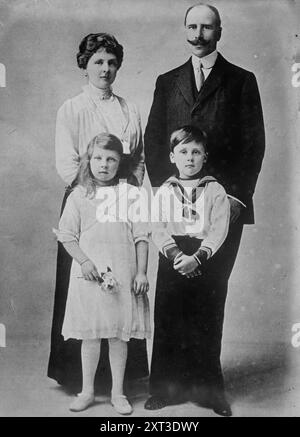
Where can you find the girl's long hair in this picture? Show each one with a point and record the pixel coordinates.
(85, 176)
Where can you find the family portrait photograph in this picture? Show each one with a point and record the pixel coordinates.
(149, 225)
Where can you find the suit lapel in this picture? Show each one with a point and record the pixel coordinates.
(184, 82)
(212, 82)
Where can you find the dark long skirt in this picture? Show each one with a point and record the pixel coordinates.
(188, 318)
(65, 356)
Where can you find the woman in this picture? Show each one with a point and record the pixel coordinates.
(97, 109)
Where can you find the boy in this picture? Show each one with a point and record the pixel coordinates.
(188, 323)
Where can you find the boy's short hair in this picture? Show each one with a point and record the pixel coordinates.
(186, 134)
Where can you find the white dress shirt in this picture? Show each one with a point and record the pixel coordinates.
(207, 63)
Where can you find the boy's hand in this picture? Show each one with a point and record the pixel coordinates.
(196, 272)
(140, 284)
(89, 271)
(185, 264)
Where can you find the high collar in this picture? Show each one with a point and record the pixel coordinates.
(214, 80)
(184, 82)
(207, 61)
(98, 93)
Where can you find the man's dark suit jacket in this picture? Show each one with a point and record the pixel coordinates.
(228, 108)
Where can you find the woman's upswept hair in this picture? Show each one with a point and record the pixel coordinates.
(95, 41)
(84, 176)
(186, 134)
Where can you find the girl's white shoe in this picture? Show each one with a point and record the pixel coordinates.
(121, 404)
(82, 402)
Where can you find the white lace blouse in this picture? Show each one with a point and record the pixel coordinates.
(86, 115)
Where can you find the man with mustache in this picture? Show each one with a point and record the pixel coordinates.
(223, 100)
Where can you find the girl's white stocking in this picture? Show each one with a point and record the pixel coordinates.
(117, 358)
(90, 354)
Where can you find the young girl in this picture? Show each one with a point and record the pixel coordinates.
(188, 304)
(108, 284)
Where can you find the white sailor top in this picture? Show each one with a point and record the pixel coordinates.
(202, 211)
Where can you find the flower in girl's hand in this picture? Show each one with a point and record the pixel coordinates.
(108, 282)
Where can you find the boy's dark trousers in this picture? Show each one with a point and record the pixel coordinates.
(188, 318)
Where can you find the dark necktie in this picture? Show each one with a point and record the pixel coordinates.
(199, 77)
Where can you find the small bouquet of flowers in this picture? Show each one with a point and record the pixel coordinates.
(108, 282)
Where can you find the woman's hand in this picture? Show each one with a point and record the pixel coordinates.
(185, 264)
(140, 284)
(89, 271)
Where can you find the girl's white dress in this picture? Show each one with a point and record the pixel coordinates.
(90, 311)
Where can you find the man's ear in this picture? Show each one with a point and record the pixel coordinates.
(172, 159)
(219, 33)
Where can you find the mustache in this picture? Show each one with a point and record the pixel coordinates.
(197, 41)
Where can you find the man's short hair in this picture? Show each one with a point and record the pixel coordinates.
(212, 8)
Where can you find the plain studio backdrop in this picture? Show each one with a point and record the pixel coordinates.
(38, 44)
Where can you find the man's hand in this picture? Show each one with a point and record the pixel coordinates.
(235, 209)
